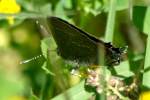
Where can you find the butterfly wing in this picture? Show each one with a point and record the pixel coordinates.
(73, 43)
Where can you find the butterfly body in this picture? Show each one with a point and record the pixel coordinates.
(80, 47)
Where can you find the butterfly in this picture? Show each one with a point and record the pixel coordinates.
(78, 46)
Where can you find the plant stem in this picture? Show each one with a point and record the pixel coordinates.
(110, 21)
(108, 37)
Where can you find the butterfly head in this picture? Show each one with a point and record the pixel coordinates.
(115, 55)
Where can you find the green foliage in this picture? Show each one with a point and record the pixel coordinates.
(49, 77)
(9, 88)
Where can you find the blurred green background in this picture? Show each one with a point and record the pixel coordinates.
(22, 38)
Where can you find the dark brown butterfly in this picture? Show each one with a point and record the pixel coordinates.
(80, 47)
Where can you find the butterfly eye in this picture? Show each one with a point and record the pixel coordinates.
(123, 49)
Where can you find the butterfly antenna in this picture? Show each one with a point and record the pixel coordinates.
(34, 58)
(28, 60)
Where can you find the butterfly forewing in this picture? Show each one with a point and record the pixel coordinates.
(73, 44)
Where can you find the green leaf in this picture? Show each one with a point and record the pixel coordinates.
(146, 75)
(44, 67)
(120, 4)
(46, 9)
(33, 97)
(59, 11)
(139, 13)
(141, 2)
(75, 93)
(48, 44)
(146, 28)
(124, 69)
(9, 86)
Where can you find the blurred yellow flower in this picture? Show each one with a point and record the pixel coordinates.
(145, 96)
(9, 7)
